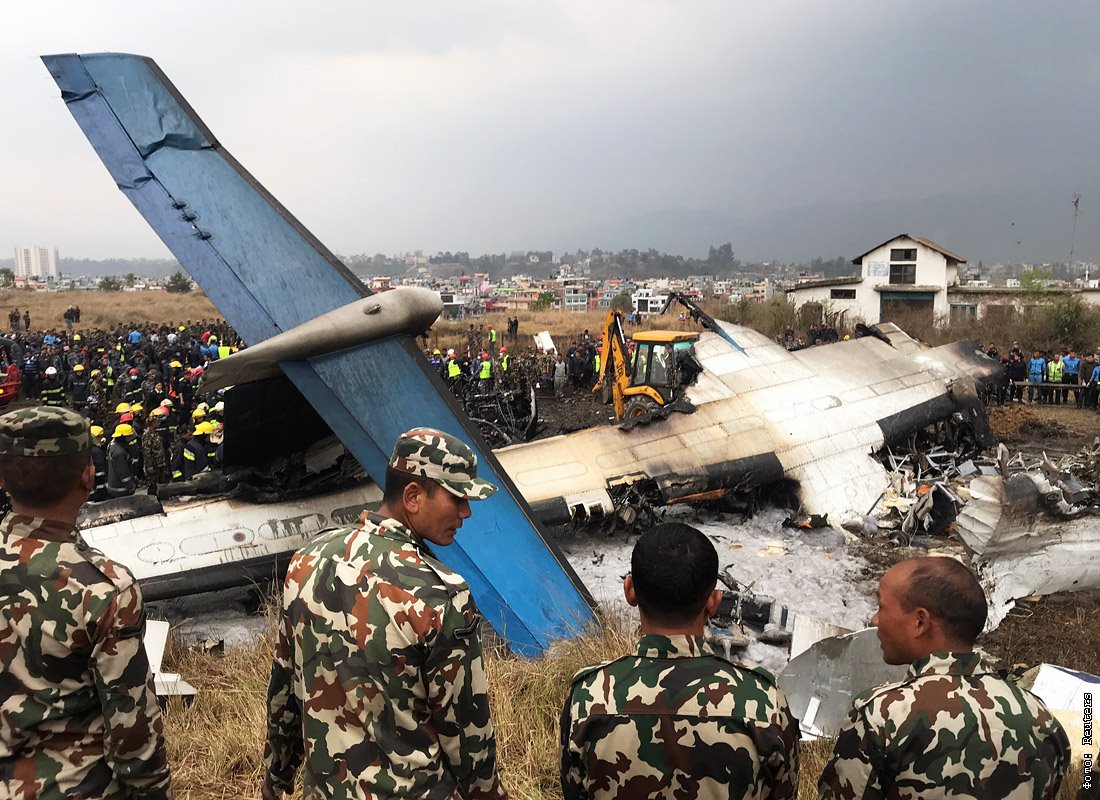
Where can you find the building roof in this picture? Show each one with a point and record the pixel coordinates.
(845, 281)
(919, 240)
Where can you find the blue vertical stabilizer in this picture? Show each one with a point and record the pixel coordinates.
(266, 273)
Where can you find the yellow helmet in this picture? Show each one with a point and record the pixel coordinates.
(121, 408)
(125, 429)
(198, 413)
(96, 431)
(136, 407)
(204, 428)
(159, 411)
(175, 365)
(78, 367)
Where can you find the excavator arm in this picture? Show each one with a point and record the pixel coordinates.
(614, 363)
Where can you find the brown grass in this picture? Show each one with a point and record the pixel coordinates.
(216, 745)
(564, 326)
(105, 309)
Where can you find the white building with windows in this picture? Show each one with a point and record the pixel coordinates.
(647, 302)
(33, 261)
(902, 277)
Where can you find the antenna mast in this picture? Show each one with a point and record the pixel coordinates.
(1073, 241)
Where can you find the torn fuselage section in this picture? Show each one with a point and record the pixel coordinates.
(1032, 532)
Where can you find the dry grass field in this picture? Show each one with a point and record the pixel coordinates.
(564, 326)
(105, 309)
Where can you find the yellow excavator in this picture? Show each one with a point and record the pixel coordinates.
(652, 385)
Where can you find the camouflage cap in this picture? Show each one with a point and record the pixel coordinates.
(43, 431)
(444, 458)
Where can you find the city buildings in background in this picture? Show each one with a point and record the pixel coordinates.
(33, 261)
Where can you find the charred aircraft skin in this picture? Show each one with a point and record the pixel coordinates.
(765, 414)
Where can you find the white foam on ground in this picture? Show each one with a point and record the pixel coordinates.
(814, 575)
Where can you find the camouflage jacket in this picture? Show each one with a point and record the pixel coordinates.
(950, 729)
(378, 681)
(153, 459)
(676, 720)
(78, 714)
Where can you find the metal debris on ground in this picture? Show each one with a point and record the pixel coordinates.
(743, 616)
(930, 482)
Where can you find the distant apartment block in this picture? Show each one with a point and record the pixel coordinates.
(33, 261)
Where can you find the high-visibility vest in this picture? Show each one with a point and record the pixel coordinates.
(504, 363)
(492, 335)
(223, 351)
(453, 370)
(597, 361)
(1055, 371)
(486, 369)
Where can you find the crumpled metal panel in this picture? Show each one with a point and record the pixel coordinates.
(266, 273)
(822, 682)
(1021, 546)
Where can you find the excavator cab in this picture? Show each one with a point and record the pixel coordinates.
(664, 366)
(652, 385)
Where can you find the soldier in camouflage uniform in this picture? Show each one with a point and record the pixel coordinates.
(153, 456)
(78, 715)
(378, 683)
(952, 728)
(675, 719)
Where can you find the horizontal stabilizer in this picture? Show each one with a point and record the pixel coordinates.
(404, 310)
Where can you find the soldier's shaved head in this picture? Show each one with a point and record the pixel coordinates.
(674, 568)
(950, 593)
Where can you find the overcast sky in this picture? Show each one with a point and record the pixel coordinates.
(488, 126)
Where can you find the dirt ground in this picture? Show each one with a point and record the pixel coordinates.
(1033, 423)
(577, 410)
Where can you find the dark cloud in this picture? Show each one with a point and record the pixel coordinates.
(492, 125)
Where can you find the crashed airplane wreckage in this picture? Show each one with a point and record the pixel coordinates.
(337, 360)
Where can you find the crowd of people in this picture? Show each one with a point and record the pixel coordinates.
(140, 387)
(485, 365)
(1047, 376)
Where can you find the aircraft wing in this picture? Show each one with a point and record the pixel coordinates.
(266, 273)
